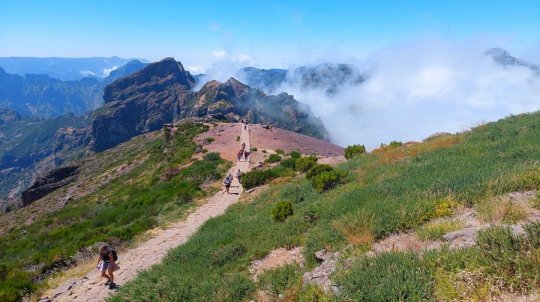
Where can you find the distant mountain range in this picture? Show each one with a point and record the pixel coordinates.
(327, 77)
(40, 95)
(66, 69)
(503, 57)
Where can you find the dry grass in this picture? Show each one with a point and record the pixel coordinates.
(56, 280)
(500, 210)
(356, 227)
(393, 154)
(435, 230)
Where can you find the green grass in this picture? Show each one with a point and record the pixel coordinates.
(116, 210)
(399, 188)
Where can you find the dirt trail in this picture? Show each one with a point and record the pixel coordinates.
(92, 288)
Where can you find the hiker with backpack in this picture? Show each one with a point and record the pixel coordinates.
(228, 181)
(107, 264)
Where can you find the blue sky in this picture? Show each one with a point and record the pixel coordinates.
(262, 33)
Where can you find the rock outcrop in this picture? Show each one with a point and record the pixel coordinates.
(49, 182)
(139, 103)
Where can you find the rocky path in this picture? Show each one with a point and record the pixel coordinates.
(92, 288)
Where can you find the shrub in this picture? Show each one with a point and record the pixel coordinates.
(318, 169)
(238, 138)
(303, 164)
(273, 158)
(263, 151)
(282, 210)
(328, 180)
(204, 150)
(313, 293)
(295, 154)
(253, 149)
(289, 163)
(256, 178)
(279, 151)
(212, 156)
(208, 140)
(354, 150)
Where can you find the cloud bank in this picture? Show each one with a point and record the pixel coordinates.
(412, 90)
(418, 89)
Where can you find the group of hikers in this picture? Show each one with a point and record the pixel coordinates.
(243, 153)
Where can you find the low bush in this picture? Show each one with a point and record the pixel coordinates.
(282, 210)
(279, 151)
(295, 154)
(318, 169)
(303, 164)
(212, 156)
(257, 178)
(273, 158)
(208, 140)
(289, 163)
(328, 180)
(253, 149)
(354, 150)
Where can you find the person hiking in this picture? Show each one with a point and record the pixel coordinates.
(106, 264)
(239, 175)
(228, 181)
(246, 155)
(239, 154)
(243, 146)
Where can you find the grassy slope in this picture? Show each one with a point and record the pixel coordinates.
(122, 208)
(393, 189)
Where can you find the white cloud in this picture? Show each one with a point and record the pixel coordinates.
(219, 54)
(107, 71)
(196, 69)
(421, 88)
(87, 73)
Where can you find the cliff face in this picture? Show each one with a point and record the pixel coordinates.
(139, 103)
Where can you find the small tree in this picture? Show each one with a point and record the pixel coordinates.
(305, 163)
(354, 150)
(282, 210)
(273, 158)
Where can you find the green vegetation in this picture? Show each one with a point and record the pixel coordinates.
(389, 190)
(253, 149)
(273, 158)
(255, 178)
(116, 210)
(354, 150)
(277, 281)
(328, 180)
(208, 140)
(303, 164)
(282, 210)
(318, 169)
(279, 151)
(295, 154)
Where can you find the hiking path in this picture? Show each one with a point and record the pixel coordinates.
(92, 286)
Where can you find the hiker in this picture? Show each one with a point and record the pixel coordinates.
(239, 154)
(239, 175)
(228, 181)
(246, 155)
(106, 264)
(243, 146)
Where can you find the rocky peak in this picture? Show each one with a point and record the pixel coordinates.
(156, 77)
(503, 57)
(7, 115)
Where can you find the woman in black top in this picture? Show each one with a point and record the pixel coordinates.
(106, 264)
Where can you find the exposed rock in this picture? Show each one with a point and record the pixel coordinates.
(51, 181)
(275, 259)
(7, 115)
(321, 274)
(462, 238)
(66, 286)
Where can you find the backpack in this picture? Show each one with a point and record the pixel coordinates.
(114, 254)
(227, 181)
